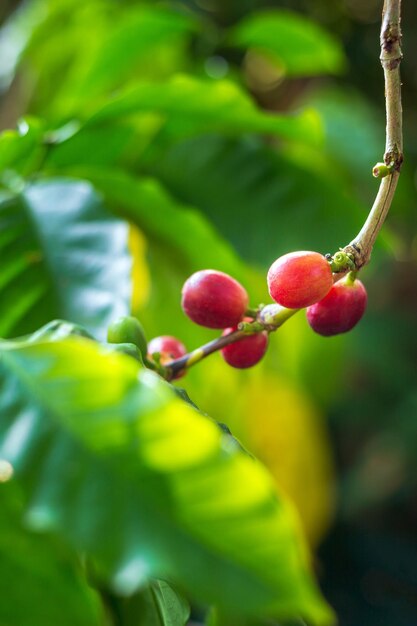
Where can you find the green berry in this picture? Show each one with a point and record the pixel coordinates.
(128, 330)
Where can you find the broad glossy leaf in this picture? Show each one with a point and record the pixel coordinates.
(192, 105)
(74, 63)
(180, 240)
(42, 583)
(97, 146)
(264, 202)
(300, 46)
(62, 254)
(131, 35)
(277, 420)
(128, 472)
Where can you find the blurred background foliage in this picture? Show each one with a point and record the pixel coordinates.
(226, 134)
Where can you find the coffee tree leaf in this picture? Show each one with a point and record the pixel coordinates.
(114, 462)
(300, 46)
(192, 105)
(75, 63)
(29, 565)
(158, 604)
(62, 254)
(274, 206)
(181, 229)
(136, 32)
(22, 150)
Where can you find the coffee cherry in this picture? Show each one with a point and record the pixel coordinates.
(168, 347)
(127, 330)
(214, 299)
(245, 352)
(340, 310)
(299, 279)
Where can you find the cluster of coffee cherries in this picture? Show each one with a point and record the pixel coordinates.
(214, 299)
(304, 279)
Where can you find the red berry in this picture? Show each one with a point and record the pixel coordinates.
(299, 279)
(340, 310)
(168, 347)
(245, 352)
(214, 299)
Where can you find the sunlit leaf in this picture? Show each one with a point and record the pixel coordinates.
(193, 105)
(278, 423)
(300, 46)
(75, 64)
(138, 31)
(163, 484)
(21, 150)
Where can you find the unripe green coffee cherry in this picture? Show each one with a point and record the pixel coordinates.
(128, 330)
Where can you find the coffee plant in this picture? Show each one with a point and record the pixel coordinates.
(122, 503)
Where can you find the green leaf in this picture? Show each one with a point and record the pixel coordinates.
(74, 63)
(62, 255)
(299, 46)
(22, 150)
(138, 32)
(158, 604)
(179, 228)
(353, 141)
(110, 458)
(180, 241)
(56, 330)
(95, 146)
(41, 582)
(192, 105)
(274, 204)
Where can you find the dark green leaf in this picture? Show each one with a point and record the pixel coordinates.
(265, 203)
(112, 460)
(62, 255)
(41, 583)
(355, 141)
(181, 229)
(158, 604)
(300, 46)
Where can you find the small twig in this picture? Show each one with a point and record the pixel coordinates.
(356, 254)
(360, 248)
(268, 319)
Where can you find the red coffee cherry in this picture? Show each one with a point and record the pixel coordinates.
(299, 279)
(214, 299)
(169, 348)
(340, 310)
(245, 352)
